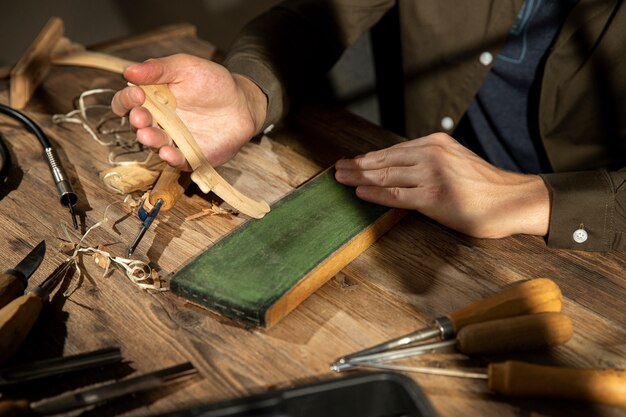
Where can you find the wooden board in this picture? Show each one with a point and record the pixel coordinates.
(265, 269)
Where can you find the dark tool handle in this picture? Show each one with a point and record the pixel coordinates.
(16, 320)
(519, 379)
(169, 187)
(515, 334)
(16, 408)
(538, 295)
(11, 287)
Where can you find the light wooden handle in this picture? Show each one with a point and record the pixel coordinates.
(15, 408)
(515, 334)
(538, 295)
(16, 320)
(519, 379)
(171, 184)
(160, 102)
(91, 59)
(10, 288)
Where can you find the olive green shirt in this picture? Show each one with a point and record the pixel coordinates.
(582, 109)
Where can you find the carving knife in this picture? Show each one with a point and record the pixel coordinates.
(167, 190)
(82, 398)
(19, 316)
(13, 282)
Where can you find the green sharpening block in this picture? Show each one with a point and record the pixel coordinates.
(260, 272)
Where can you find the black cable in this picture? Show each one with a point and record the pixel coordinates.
(28, 122)
(67, 195)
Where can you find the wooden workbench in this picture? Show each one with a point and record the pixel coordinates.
(416, 272)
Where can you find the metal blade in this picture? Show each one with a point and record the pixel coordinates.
(30, 263)
(90, 396)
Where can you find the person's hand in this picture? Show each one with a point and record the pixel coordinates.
(442, 179)
(222, 110)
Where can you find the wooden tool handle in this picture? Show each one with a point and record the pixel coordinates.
(519, 379)
(16, 320)
(527, 297)
(15, 408)
(515, 334)
(171, 184)
(11, 287)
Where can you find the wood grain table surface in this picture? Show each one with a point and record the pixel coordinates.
(416, 272)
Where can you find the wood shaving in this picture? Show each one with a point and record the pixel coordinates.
(100, 259)
(214, 210)
(126, 179)
(110, 130)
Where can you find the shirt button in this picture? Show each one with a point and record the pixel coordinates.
(447, 123)
(580, 236)
(486, 58)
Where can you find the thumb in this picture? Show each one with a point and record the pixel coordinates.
(152, 71)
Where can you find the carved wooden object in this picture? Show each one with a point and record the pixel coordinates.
(162, 104)
(160, 101)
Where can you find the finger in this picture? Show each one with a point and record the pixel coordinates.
(140, 117)
(174, 157)
(384, 177)
(126, 99)
(399, 197)
(156, 71)
(380, 159)
(154, 137)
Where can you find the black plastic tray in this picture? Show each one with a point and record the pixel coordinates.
(371, 394)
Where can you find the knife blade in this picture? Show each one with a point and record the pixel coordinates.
(13, 281)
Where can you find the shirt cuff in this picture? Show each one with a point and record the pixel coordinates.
(265, 79)
(582, 210)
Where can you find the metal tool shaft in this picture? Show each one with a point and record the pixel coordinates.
(408, 339)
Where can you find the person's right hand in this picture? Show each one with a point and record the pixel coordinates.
(222, 110)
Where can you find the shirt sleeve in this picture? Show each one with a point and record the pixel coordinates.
(296, 42)
(588, 210)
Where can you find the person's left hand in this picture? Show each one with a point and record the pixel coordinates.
(442, 179)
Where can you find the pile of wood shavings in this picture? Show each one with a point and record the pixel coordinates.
(138, 272)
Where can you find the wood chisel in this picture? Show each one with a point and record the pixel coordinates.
(170, 185)
(526, 380)
(537, 295)
(75, 400)
(508, 335)
(13, 282)
(18, 317)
